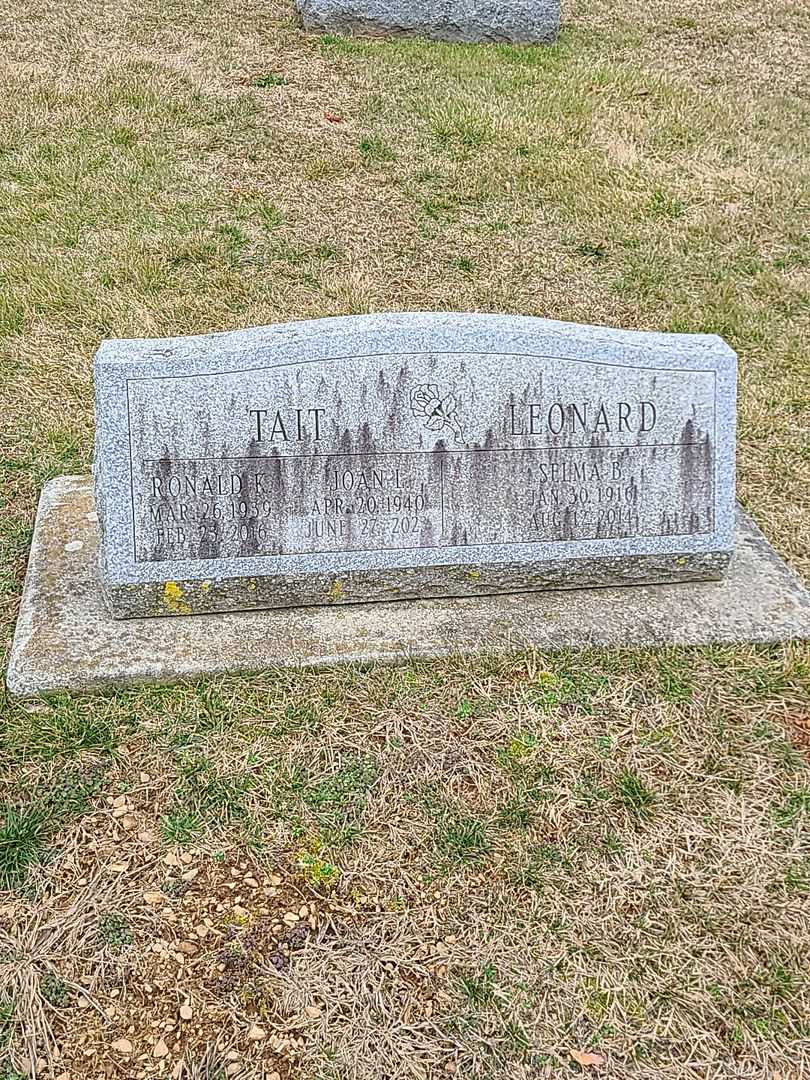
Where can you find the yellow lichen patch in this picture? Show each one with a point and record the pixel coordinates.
(173, 599)
(337, 592)
(473, 575)
(206, 586)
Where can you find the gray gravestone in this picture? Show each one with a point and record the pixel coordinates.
(416, 455)
(518, 21)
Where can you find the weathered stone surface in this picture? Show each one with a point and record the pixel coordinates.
(518, 21)
(381, 457)
(66, 639)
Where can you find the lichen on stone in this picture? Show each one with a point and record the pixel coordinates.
(173, 599)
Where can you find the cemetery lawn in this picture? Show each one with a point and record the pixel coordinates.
(525, 867)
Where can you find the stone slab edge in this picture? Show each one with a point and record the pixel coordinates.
(66, 639)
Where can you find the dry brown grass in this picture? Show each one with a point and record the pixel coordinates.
(498, 862)
(506, 860)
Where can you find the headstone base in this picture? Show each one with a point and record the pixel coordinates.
(151, 599)
(67, 640)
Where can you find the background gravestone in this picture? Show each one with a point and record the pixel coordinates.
(518, 21)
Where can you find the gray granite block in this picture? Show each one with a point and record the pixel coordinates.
(67, 640)
(415, 455)
(517, 21)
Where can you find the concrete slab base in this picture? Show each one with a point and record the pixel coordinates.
(66, 640)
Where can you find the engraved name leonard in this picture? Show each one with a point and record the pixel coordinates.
(547, 471)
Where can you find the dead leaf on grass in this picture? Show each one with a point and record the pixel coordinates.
(586, 1058)
(798, 724)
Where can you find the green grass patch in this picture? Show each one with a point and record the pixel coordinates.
(55, 991)
(206, 792)
(268, 79)
(28, 827)
(577, 688)
(65, 727)
(181, 827)
(634, 794)
(375, 149)
(6, 1020)
(462, 837)
(794, 807)
(478, 987)
(114, 932)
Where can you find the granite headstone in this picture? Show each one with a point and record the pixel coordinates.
(414, 455)
(515, 21)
